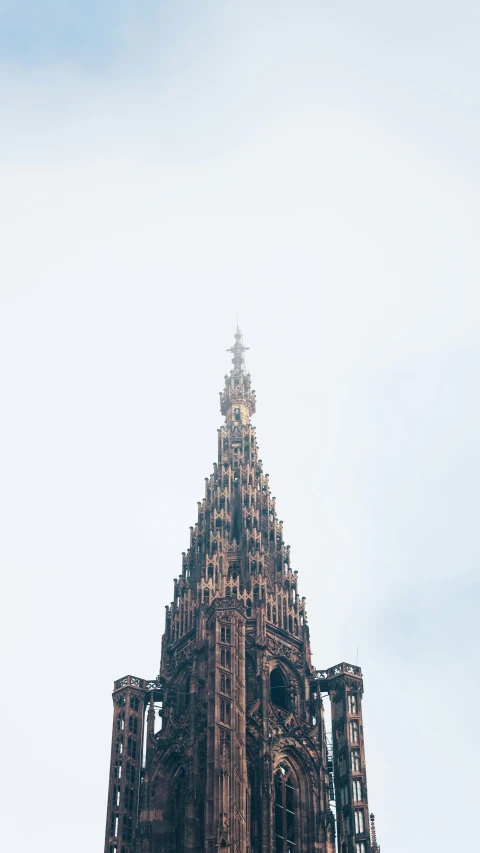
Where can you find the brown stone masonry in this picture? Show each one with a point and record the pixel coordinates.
(240, 763)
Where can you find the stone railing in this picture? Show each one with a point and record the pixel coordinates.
(339, 669)
(138, 683)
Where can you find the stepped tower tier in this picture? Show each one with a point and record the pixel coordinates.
(241, 762)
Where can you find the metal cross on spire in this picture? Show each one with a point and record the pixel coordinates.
(238, 349)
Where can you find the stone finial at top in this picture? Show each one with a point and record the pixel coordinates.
(237, 400)
(238, 349)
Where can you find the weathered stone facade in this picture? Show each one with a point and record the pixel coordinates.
(241, 762)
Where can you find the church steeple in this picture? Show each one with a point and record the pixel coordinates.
(240, 764)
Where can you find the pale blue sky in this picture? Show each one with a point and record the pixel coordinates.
(315, 167)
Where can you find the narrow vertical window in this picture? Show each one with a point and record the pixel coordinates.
(355, 760)
(352, 703)
(354, 731)
(278, 688)
(284, 811)
(357, 790)
(359, 821)
(129, 799)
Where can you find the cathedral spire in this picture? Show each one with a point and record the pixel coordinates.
(240, 761)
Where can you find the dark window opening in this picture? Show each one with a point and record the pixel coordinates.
(225, 658)
(129, 799)
(132, 747)
(278, 689)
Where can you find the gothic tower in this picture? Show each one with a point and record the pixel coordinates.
(242, 762)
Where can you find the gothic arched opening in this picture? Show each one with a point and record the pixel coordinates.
(285, 839)
(278, 688)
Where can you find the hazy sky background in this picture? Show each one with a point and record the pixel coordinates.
(313, 166)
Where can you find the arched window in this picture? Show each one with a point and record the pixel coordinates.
(284, 811)
(278, 690)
